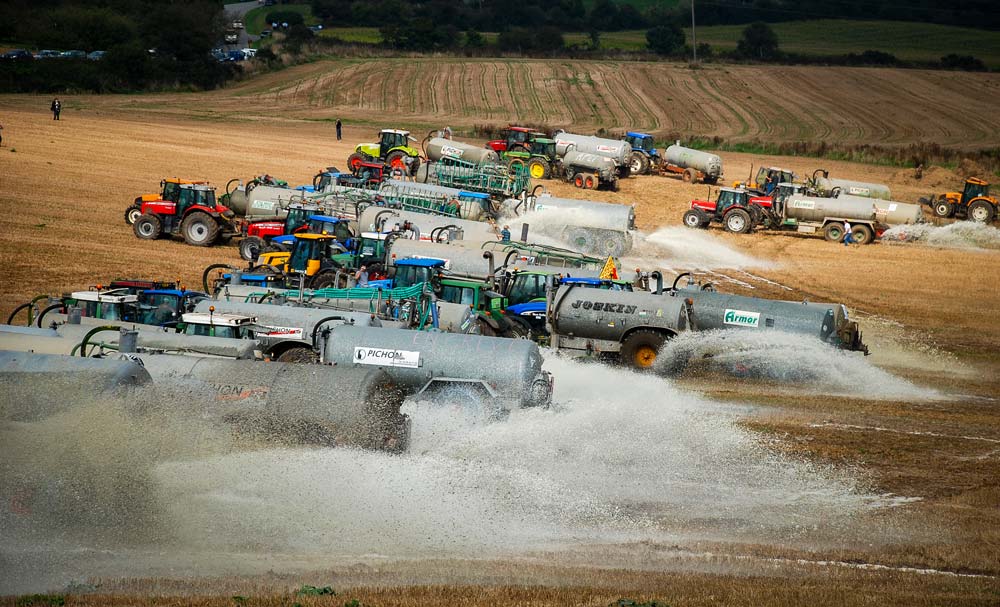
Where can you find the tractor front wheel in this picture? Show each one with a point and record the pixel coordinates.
(538, 168)
(147, 227)
(943, 208)
(199, 229)
(132, 213)
(694, 218)
(354, 161)
(640, 349)
(981, 211)
(327, 280)
(395, 160)
(251, 248)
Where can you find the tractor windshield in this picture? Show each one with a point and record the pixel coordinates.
(517, 136)
(975, 190)
(545, 149)
(296, 218)
(407, 276)
(641, 143)
(212, 331)
(393, 140)
(762, 175)
(526, 287)
(171, 191)
(303, 251)
(157, 309)
(459, 294)
(728, 198)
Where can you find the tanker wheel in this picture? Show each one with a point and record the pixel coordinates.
(298, 354)
(981, 211)
(688, 175)
(199, 229)
(354, 161)
(590, 182)
(538, 168)
(834, 232)
(862, 234)
(694, 218)
(578, 180)
(943, 209)
(251, 248)
(640, 349)
(147, 227)
(132, 213)
(738, 221)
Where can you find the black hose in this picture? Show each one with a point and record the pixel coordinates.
(506, 260)
(214, 266)
(229, 183)
(673, 287)
(41, 315)
(34, 300)
(321, 322)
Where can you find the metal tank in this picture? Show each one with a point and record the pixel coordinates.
(593, 213)
(439, 147)
(508, 370)
(828, 322)
(811, 208)
(66, 337)
(458, 258)
(894, 213)
(824, 185)
(614, 149)
(313, 404)
(262, 201)
(600, 315)
(394, 185)
(381, 218)
(34, 386)
(597, 228)
(687, 158)
(602, 165)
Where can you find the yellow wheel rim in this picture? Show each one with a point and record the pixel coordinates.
(645, 356)
(537, 171)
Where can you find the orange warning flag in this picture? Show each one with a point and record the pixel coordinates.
(610, 271)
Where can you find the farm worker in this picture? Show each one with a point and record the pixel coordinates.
(56, 108)
(641, 280)
(1, 135)
(339, 127)
(772, 183)
(361, 276)
(505, 234)
(848, 239)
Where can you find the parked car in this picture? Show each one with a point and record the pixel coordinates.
(74, 54)
(316, 28)
(47, 54)
(96, 55)
(17, 54)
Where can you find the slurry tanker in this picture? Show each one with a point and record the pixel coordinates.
(693, 165)
(438, 148)
(615, 150)
(823, 185)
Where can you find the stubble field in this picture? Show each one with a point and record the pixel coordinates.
(928, 312)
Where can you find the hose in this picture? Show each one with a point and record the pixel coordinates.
(41, 315)
(29, 305)
(229, 183)
(324, 320)
(673, 287)
(214, 266)
(82, 346)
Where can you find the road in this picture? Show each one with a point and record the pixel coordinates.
(238, 10)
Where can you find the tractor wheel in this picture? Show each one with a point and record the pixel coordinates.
(538, 168)
(414, 166)
(326, 280)
(199, 229)
(394, 160)
(518, 328)
(624, 170)
(578, 180)
(147, 227)
(834, 232)
(298, 354)
(688, 175)
(862, 234)
(738, 221)
(640, 349)
(590, 182)
(354, 161)
(694, 218)
(520, 147)
(251, 247)
(132, 213)
(638, 163)
(981, 211)
(943, 208)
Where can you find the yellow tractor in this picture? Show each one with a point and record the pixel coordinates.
(973, 203)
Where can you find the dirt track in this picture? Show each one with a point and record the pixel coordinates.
(929, 312)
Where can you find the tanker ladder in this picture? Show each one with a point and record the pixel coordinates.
(494, 179)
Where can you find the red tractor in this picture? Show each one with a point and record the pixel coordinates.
(733, 208)
(196, 216)
(515, 138)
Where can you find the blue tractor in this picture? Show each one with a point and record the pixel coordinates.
(644, 158)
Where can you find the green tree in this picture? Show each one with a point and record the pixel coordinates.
(665, 39)
(758, 42)
(474, 39)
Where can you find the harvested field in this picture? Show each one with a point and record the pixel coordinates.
(928, 312)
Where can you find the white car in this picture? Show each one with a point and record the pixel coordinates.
(249, 53)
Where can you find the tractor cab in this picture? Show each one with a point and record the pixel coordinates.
(511, 137)
(118, 304)
(768, 178)
(195, 195)
(309, 251)
(975, 188)
(543, 146)
(776, 201)
(164, 307)
(641, 142)
(232, 326)
(727, 198)
(390, 139)
(298, 216)
(415, 270)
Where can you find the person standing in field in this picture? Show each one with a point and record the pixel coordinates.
(339, 129)
(848, 238)
(56, 108)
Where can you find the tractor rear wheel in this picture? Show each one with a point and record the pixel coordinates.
(199, 229)
(738, 221)
(395, 160)
(354, 161)
(638, 163)
(694, 218)
(981, 211)
(147, 227)
(688, 175)
(251, 247)
(943, 208)
(834, 232)
(327, 280)
(132, 213)
(862, 234)
(538, 168)
(640, 349)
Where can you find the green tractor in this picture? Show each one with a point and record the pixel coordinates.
(539, 160)
(393, 149)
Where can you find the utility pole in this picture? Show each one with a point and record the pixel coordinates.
(694, 39)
